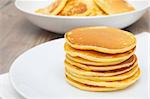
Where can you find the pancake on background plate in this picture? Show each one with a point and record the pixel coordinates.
(114, 6)
(54, 8)
(81, 8)
(100, 58)
(86, 7)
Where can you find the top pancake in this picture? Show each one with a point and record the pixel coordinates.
(54, 8)
(114, 6)
(102, 39)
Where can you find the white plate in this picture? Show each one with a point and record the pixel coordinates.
(62, 24)
(39, 73)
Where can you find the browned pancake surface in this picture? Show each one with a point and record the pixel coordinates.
(114, 6)
(104, 37)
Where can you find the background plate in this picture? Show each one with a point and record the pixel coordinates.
(62, 24)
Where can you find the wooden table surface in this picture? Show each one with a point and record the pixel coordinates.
(17, 34)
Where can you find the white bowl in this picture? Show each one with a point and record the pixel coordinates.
(62, 24)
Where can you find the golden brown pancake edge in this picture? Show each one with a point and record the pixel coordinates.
(102, 39)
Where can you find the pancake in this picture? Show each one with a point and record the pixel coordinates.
(102, 39)
(124, 64)
(109, 78)
(120, 83)
(97, 56)
(81, 8)
(88, 62)
(54, 8)
(96, 11)
(75, 8)
(79, 71)
(115, 6)
(97, 88)
(89, 88)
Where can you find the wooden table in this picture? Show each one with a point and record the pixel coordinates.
(17, 34)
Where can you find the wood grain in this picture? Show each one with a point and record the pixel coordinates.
(17, 34)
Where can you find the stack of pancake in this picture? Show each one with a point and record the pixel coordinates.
(100, 58)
